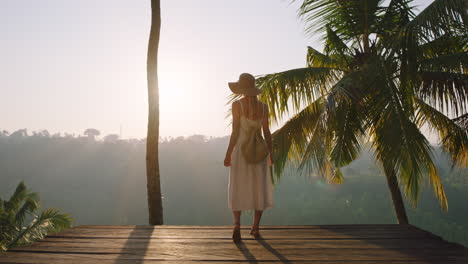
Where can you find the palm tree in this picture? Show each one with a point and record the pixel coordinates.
(13, 214)
(152, 148)
(384, 73)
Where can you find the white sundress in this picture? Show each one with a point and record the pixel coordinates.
(250, 186)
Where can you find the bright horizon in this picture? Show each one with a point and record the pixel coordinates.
(72, 65)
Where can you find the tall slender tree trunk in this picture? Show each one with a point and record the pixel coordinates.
(365, 41)
(152, 148)
(365, 37)
(397, 199)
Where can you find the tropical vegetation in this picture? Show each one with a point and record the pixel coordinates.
(385, 73)
(22, 205)
(112, 195)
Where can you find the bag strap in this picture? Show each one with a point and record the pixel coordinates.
(263, 111)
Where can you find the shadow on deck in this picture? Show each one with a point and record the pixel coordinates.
(334, 244)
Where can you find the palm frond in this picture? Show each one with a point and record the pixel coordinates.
(30, 204)
(453, 62)
(437, 19)
(318, 145)
(337, 177)
(318, 13)
(400, 146)
(290, 140)
(315, 158)
(446, 90)
(49, 221)
(334, 44)
(16, 198)
(352, 86)
(396, 15)
(348, 133)
(453, 137)
(447, 44)
(331, 174)
(462, 121)
(318, 59)
(437, 186)
(297, 87)
(13, 214)
(440, 18)
(349, 18)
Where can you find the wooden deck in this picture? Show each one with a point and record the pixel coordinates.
(337, 244)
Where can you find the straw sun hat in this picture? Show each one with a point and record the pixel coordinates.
(245, 85)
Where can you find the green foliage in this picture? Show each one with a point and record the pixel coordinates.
(384, 73)
(14, 212)
(111, 194)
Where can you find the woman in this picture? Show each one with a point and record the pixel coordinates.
(250, 186)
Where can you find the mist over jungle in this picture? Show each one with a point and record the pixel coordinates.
(103, 181)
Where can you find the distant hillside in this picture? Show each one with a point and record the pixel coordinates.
(104, 182)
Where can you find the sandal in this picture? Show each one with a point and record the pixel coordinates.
(254, 231)
(236, 235)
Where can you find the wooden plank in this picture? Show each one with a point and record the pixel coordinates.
(203, 230)
(217, 230)
(226, 234)
(324, 227)
(223, 245)
(206, 244)
(190, 232)
(394, 231)
(250, 254)
(331, 243)
(30, 258)
(261, 250)
(260, 253)
(368, 226)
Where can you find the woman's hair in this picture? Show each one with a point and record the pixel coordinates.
(252, 102)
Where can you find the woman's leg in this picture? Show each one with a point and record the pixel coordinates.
(258, 216)
(236, 237)
(237, 215)
(256, 223)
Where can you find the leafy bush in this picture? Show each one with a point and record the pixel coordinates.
(21, 207)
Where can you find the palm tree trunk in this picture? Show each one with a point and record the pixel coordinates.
(365, 36)
(397, 199)
(365, 40)
(152, 148)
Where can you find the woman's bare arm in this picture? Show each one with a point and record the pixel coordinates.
(266, 130)
(234, 133)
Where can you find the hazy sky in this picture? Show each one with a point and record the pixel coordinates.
(68, 65)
